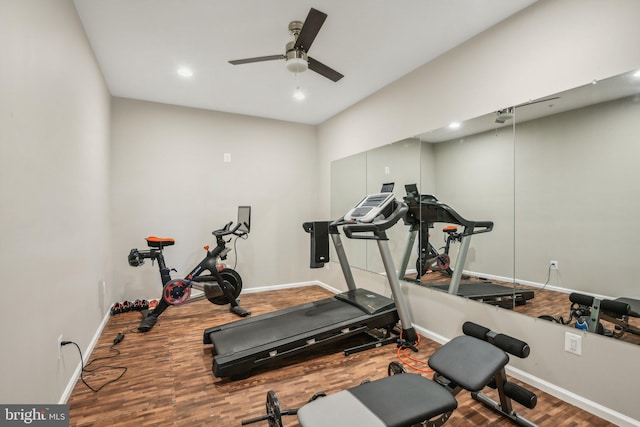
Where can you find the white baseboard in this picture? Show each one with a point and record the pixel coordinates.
(290, 286)
(574, 399)
(86, 354)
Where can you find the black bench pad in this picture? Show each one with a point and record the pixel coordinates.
(469, 362)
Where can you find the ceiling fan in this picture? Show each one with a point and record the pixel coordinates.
(296, 52)
(507, 113)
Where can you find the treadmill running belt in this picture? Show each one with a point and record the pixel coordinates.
(308, 317)
(478, 290)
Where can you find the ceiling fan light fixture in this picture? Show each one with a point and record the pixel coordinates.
(296, 59)
(297, 65)
(504, 115)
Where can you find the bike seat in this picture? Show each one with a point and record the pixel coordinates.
(159, 242)
(450, 229)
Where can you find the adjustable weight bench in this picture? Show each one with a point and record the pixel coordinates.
(405, 400)
(466, 350)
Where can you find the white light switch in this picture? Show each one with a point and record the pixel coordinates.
(227, 157)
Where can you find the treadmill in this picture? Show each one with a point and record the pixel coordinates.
(425, 210)
(269, 340)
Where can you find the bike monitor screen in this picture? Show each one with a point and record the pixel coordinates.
(387, 187)
(244, 218)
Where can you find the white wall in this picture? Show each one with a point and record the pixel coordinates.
(169, 179)
(54, 166)
(552, 46)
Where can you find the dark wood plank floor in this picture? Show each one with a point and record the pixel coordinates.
(169, 379)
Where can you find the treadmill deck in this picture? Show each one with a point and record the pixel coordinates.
(487, 291)
(241, 345)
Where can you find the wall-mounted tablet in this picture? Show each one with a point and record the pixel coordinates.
(244, 218)
(387, 187)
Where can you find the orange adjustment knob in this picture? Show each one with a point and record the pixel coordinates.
(206, 247)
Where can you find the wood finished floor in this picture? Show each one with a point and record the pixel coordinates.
(169, 379)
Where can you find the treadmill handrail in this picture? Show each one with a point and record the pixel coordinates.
(436, 211)
(352, 233)
(485, 227)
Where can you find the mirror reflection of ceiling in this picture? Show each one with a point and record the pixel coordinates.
(617, 87)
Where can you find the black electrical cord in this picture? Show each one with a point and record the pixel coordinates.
(116, 341)
(548, 277)
(243, 237)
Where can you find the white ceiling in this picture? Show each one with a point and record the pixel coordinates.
(140, 44)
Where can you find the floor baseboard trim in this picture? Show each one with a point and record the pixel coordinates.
(574, 399)
(291, 286)
(86, 354)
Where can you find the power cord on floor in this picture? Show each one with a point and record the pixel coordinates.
(404, 357)
(116, 341)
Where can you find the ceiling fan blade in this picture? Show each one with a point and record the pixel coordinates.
(323, 70)
(256, 59)
(310, 29)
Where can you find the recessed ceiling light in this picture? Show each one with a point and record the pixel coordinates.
(636, 74)
(454, 125)
(185, 72)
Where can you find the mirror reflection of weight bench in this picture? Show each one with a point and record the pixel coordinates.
(616, 311)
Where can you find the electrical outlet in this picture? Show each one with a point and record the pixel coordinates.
(60, 347)
(573, 343)
(554, 265)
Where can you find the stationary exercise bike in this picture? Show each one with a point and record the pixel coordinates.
(429, 259)
(221, 285)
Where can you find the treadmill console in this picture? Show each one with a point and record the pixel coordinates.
(370, 207)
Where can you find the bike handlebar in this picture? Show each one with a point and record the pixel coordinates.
(226, 230)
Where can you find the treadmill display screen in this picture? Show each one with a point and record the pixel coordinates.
(369, 208)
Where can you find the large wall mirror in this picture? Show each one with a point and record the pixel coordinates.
(558, 177)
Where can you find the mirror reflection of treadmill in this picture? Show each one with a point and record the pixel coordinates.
(426, 208)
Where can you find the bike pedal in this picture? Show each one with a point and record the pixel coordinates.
(147, 323)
